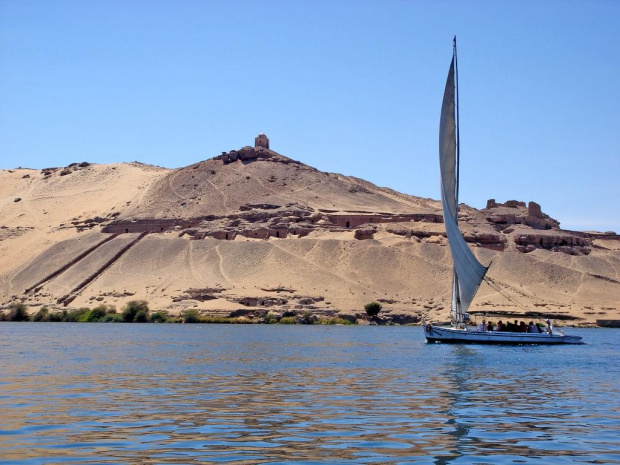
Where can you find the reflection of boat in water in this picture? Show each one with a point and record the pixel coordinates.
(468, 272)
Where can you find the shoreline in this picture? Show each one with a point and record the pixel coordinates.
(138, 312)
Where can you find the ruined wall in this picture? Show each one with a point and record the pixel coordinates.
(355, 220)
(261, 141)
(512, 212)
(149, 225)
(571, 244)
(248, 153)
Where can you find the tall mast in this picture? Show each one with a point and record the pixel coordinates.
(458, 138)
(456, 295)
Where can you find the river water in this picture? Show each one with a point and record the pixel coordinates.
(241, 394)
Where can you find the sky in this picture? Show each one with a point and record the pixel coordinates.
(347, 86)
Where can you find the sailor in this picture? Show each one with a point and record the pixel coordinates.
(549, 326)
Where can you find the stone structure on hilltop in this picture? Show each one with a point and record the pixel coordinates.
(259, 151)
(247, 153)
(261, 141)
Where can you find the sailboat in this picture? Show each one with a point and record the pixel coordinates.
(468, 272)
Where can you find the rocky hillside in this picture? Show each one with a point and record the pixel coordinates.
(251, 231)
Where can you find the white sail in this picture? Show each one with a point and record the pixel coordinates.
(447, 148)
(469, 271)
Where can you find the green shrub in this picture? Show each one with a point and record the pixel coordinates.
(85, 315)
(372, 309)
(97, 314)
(42, 315)
(288, 320)
(271, 318)
(112, 318)
(191, 316)
(142, 316)
(79, 314)
(55, 316)
(132, 308)
(160, 316)
(18, 312)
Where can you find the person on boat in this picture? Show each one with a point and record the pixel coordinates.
(549, 326)
(522, 327)
(531, 327)
(489, 326)
(482, 326)
(500, 325)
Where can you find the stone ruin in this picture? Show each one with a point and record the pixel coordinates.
(261, 141)
(247, 153)
(503, 215)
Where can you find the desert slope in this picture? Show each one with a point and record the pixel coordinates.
(252, 231)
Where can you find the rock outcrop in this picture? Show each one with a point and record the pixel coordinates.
(559, 241)
(251, 154)
(513, 212)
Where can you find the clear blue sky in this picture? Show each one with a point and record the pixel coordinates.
(353, 87)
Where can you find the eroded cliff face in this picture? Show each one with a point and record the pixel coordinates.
(251, 231)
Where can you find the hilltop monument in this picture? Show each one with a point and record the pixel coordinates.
(261, 141)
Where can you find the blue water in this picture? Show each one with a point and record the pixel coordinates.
(241, 394)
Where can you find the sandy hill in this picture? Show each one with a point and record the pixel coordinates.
(251, 231)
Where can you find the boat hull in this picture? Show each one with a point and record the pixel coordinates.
(464, 336)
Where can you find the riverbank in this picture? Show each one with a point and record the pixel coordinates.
(139, 312)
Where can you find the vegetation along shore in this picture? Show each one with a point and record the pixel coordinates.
(137, 311)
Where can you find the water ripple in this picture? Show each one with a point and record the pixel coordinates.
(246, 394)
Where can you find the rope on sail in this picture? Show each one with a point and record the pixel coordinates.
(496, 286)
